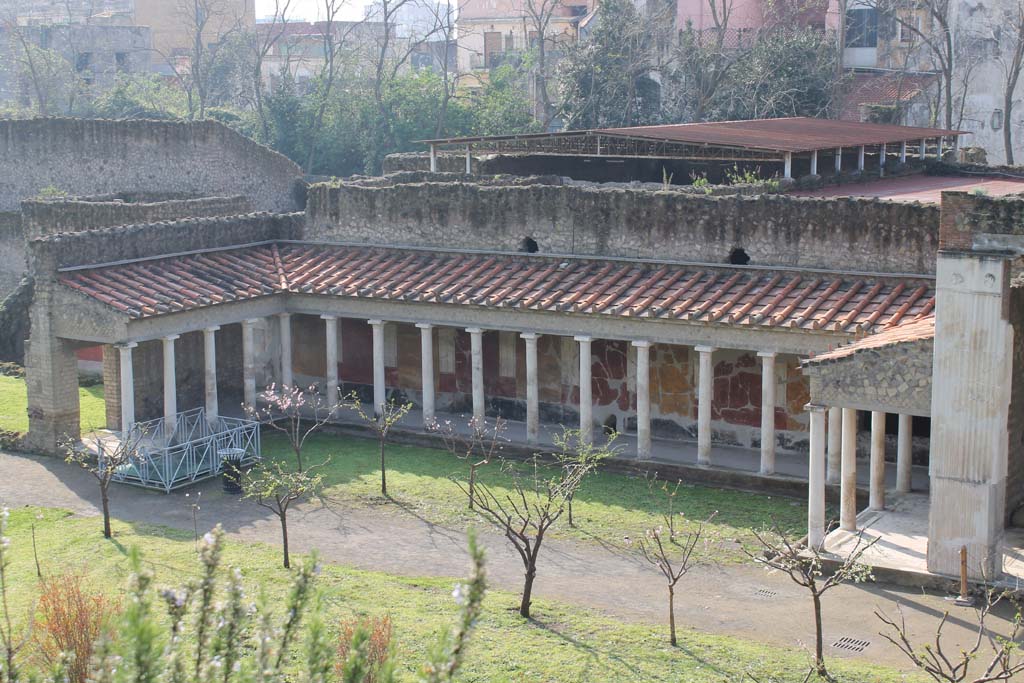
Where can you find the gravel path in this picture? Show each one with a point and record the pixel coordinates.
(742, 601)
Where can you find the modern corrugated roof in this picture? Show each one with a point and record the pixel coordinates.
(797, 134)
(717, 294)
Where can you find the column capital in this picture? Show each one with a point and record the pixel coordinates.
(211, 328)
(171, 337)
(328, 316)
(583, 339)
(767, 354)
(375, 322)
(284, 315)
(474, 330)
(251, 321)
(641, 344)
(425, 326)
(815, 408)
(529, 336)
(704, 349)
(126, 346)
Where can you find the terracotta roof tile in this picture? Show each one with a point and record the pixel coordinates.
(718, 294)
(914, 330)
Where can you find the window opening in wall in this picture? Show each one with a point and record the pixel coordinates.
(528, 245)
(739, 257)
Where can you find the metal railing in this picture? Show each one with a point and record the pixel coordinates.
(189, 448)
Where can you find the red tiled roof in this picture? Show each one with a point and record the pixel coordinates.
(913, 330)
(881, 89)
(811, 300)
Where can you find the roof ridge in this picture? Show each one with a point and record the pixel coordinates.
(282, 277)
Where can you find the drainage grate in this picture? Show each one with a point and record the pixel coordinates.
(851, 644)
(765, 593)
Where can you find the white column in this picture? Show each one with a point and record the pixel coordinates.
(331, 357)
(286, 349)
(904, 454)
(170, 380)
(816, 478)
(379, 387)
(433, 159)
(938, 148)
(814, 162)
(877, 487)
(249, 362)
(903, 152)
(924, 148)
(788, 165)
(586, 391)
(469, 161)
(835, 441)
(860, 158)
(881, 156)
(127, 385)
(643, 399)
(427, 369)
(839, 159)
(848, 490)
(476, 347)
(532, 395)
(767, 411)
(210, 374)
(704, 397)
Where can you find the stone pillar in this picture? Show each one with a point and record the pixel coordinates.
(787, 165)
(249, 362)
(170, 382)
(814, 162)
(767, 411)
(881, 156)
(210, 373)
(835, 444)
(860, 157)
(643, 399)
(331, 357)
(904, 454)
(938, 150)
(469, 161)
(476, 349)
(816, 478)
(127, 373)
(903, 152)
(971, 380)
(848, 483)
(924, 148)
(427, 367)
(380, 391)
(286, 349)
(877, 474)
(586, 391)
(532, 392)
(433, 159)
(705, 380)
(839, 160)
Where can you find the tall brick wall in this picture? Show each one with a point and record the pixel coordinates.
(853, 234)
(95, 157)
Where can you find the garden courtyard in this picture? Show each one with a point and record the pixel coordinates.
(599, 607)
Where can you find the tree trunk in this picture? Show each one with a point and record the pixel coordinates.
(472, 485)
(383, 472)
(819, 655)
(571, 522)
(1007, 132)
(524, 605)
(284, 539)
(672, 615)
(105, 499)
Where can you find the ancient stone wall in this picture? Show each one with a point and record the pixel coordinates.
(736, 405)
(1015, 423)
(48, 217)
(93, 157)
(853, 234)
(12, 251)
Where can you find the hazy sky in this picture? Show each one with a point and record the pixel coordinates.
(310, 9)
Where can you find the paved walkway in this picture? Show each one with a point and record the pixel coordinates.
(742, 601)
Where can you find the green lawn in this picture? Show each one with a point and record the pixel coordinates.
(609, 506)
(14, 405)
(563, 644)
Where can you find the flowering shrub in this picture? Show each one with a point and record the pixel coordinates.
(376, 645)
(71, 620)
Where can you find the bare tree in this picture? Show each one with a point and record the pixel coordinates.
(805, 566)
(1003, 663)
(527, 512)
(275, 489)
(671, 550)
(575, 453)
(262, 44)
(538, 17)
(381, 421)
(329, 71)
(295, 413)
(112, 454)
(478, 447)
(1006, 32)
